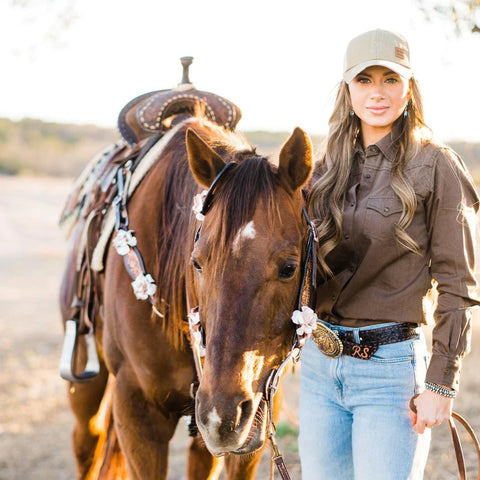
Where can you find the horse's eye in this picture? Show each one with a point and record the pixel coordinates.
(287, 270)
(196, 265)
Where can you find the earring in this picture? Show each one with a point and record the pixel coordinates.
(352, 113)
(405, 112)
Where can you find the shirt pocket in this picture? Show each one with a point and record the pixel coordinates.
(381, 216)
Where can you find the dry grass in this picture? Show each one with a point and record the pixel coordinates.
(35, 422)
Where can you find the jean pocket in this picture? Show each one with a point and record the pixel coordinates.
(394, 352)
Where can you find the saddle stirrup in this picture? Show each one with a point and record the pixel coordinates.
(92, 368)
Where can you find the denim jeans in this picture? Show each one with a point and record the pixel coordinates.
(354, 413)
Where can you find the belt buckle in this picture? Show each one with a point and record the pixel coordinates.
(327, 341)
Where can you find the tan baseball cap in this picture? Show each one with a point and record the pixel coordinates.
(377, 47)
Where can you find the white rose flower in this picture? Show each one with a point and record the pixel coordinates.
(123, 240)
(144, 286)
(307, 321)
(198, 205)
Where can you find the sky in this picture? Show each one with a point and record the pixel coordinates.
(279, 61)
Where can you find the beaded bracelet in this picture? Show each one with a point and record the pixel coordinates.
(445, 392)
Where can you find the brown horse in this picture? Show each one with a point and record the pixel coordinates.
(244, 276)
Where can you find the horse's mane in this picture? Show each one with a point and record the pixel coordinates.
(251, 180)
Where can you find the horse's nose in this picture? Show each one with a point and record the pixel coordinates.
(224, 420)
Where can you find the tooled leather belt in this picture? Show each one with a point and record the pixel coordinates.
(333, 343)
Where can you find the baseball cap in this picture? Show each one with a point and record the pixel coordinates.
(377, 47)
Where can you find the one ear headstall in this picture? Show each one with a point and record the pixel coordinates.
(207, 202)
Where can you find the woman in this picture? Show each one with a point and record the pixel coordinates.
(394, 211)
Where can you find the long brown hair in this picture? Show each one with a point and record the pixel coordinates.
(327, 196)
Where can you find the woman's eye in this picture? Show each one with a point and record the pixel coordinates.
(392, 80)
(196, 265)
(363, 80)
(287, 270)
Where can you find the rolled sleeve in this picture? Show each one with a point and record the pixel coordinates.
(451, 223)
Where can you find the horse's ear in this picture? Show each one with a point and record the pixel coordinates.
(295, 162)
(204, 162)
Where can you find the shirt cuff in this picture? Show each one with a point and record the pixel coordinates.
(444, 371)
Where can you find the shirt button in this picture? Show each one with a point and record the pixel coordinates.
(352, 204)
(347, 236)
(367, 175)
(386, 209)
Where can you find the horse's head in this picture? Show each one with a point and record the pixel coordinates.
(248, 257)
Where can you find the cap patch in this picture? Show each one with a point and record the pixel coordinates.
(400, 52)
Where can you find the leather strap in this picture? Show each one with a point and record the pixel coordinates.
(456, 440)
(458, 446)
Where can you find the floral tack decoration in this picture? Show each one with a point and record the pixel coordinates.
(194, 322)
(144, 286)
(124, 239)
(307, 321)
(198, 205)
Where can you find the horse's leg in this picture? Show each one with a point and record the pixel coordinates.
(85, 399)
(143, 430)
(202, 465)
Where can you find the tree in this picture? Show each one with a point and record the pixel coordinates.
(48, 19)
(464, 15)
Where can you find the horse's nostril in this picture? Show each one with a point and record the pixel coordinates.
(244, 412)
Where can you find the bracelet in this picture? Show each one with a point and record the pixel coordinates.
(445, 392)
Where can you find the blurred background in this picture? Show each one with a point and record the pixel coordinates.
(69, 66)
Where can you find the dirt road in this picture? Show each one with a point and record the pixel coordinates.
(35, 422)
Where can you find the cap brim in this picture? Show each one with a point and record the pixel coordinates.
(405, 72)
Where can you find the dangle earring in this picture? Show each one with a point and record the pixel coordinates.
(405, 113)
(352, 113)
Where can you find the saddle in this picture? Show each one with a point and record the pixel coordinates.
(89, 207)
(152, 113)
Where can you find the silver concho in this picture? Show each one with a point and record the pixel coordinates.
(327, 341)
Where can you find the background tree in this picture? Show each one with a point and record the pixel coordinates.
(464, 15)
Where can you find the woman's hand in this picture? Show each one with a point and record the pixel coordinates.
(432, 410)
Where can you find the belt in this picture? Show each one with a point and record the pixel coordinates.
(333, 343)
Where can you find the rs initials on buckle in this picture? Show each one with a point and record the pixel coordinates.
(327, 341)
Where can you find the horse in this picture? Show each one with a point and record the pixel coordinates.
(240, 265)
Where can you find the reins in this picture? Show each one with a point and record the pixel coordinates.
(457, 445)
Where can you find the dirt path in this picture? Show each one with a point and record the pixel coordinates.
(35, 422)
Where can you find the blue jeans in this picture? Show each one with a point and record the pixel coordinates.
(354, 414)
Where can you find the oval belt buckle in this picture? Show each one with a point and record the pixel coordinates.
(327, 341)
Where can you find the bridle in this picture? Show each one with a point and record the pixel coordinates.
(305, 298)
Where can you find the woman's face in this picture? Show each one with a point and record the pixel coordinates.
(379, 96)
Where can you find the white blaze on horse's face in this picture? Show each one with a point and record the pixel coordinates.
(247, 232)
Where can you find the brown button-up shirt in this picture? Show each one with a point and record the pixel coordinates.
(377, 280)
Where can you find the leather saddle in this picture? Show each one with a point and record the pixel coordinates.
(153, 113)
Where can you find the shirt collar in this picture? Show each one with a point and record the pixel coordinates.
(388, 145)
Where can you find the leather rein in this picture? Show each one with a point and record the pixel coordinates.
(456, 439)
(306, 291)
